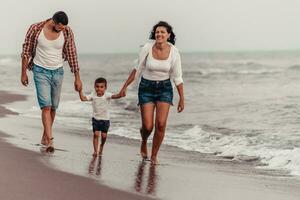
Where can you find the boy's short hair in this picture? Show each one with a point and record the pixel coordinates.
(101, 80)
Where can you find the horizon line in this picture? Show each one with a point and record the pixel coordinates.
(185, 51)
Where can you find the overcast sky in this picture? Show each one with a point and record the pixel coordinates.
(103, 26)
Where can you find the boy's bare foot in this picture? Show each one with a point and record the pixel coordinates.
(100, 150)
(144, 151)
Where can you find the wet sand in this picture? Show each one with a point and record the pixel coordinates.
(24, 176)
(5, 97)
(181, 174)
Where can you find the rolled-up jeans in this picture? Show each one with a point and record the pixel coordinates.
(48, 85)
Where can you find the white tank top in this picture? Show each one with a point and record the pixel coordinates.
(157, 70)
(49, 52)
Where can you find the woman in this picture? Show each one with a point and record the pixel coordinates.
(159, 63)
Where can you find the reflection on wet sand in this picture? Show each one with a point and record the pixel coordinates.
(98, 167)
(151, 181)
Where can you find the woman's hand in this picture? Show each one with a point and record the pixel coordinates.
(122, 92)
(180, 107)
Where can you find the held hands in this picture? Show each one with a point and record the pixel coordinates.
(180, 107)
(122, 92)
(24, 79)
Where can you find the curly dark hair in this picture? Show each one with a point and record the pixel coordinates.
(169, 28)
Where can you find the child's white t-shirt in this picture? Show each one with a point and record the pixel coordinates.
(100, 105)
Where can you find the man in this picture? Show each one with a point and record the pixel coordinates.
(47, 45)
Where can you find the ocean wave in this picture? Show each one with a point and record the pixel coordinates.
(8, 61)
(243, 148)
(294, 67)
(224, 71)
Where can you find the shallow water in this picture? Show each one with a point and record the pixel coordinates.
(243, 106)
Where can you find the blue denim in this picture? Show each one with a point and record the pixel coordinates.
(155, 91)
(48, 86)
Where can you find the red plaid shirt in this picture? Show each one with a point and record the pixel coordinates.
(69, 52)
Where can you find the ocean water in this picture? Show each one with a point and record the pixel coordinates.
(243, 105)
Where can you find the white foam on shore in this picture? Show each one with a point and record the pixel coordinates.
(238, 147)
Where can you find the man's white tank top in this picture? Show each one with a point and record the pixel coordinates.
(49, 53)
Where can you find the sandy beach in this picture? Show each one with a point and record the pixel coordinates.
(24, 176)
(72, 173)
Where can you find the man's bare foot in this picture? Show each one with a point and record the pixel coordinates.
(144, 151)
(95, 154)
(154, 161)
(50, 147)
(44, 141)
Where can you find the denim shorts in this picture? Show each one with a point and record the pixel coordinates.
(155, 91)
(48, 86)
(100, 125)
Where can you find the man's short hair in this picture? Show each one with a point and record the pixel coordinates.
(60, 17)
(101, 80)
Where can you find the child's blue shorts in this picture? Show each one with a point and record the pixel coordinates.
(100, 125)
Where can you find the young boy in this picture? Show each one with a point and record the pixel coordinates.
(100, 102)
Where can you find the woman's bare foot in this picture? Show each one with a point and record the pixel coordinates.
(144, 151)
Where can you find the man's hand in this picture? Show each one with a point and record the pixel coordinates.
(24, 79)
(78, 85)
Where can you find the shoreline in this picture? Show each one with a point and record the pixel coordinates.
(181, 174)
(24, 176)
